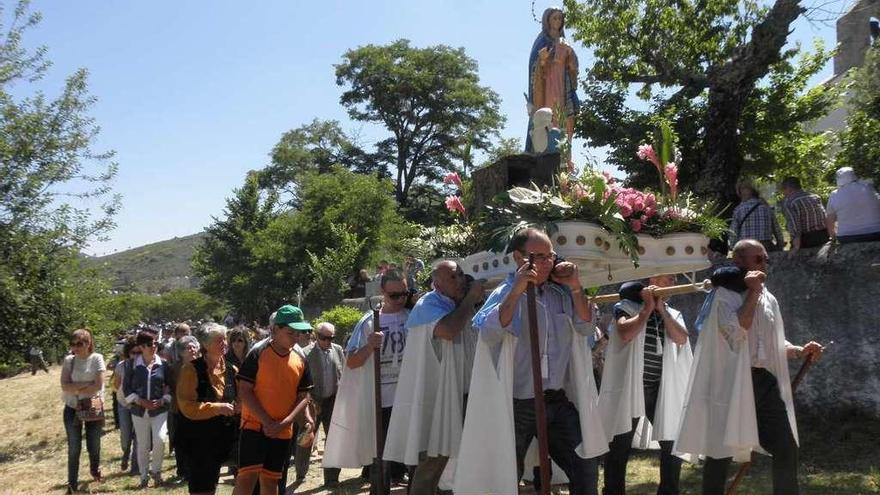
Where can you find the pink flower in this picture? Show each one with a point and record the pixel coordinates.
(453, 203)
(636, 225)
(646, 152)
(638, 204)
(650, 200)
(650, 212)
(608, 178)
(452, 178)
(671, 173)
(579, 191)
(625, 210)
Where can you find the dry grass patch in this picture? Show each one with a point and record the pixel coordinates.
(839, 457)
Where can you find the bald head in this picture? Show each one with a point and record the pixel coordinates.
(449, 279)
(750, 254)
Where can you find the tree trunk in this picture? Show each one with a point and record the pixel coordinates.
(723, 156)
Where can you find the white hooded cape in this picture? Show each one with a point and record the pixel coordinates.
(622, 396)
(351, 439)
(487, 455)
(719, 418)
(429, 401)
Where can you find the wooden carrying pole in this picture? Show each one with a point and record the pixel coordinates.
(538, 387)
(744, 467)
(377, 482)
(675, 290)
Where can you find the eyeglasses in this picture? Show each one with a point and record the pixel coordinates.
(397, 295)
(541, 257)
(327, 338)
(78, 343)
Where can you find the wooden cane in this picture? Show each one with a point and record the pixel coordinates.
(744, 467)
(377, 484)
(674, 290)
(538, 386)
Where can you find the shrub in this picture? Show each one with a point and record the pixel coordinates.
(344, 318)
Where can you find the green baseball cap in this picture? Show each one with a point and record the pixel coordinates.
(291, 316)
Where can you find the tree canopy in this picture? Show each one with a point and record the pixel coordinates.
(716, 68)
(860, 141)
(429, 99)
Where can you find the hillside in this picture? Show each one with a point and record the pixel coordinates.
(154, 268)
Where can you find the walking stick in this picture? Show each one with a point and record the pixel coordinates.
(744, 467)
(377, 483)
(538, 386)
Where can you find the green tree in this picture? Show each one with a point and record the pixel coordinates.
(701, 64)
(860, 141)
(429, 99)
(50, 178)
(329, 271)
(314, 147)
(225, 260)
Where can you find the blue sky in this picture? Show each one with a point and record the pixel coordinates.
(192, 95)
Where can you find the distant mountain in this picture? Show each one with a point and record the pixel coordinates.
(155, 268)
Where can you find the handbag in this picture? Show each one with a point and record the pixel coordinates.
(91, 409)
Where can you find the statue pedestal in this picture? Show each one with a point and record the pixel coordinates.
(512, 171)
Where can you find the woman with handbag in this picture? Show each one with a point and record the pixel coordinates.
(207, 399)
(148, 396)
(82, 384)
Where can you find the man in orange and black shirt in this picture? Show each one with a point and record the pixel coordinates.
(272, 382)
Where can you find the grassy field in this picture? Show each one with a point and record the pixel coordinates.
(838, 457)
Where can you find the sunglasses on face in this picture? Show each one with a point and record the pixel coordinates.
(325, 338)
(397, 295)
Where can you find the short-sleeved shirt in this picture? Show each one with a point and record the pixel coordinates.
(393, 327)
(857, 206)
(83, 370)
(277, 379)
(803, 213)
(759, 225)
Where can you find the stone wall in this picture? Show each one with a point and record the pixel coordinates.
(511, 171)
(831, 294)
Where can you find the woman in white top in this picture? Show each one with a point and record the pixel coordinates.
(82, 377)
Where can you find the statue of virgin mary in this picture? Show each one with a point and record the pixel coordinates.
(553, 68)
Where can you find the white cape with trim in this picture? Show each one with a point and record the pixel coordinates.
(351, 439)
(719, 418)
(622, 396)
(487, 455)
(428, 404)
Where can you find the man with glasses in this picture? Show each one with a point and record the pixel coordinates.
(326, 360)
(425, 427)
(740, 397)
(564, 317)
(386, 343)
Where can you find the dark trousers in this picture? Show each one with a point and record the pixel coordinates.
(38, 363)
(302, 455)
(180, 454)
(391, 471)
(846, 239)
(618, 456)
(774, 433)
(813, 239)
(74, 429)
(563, 434)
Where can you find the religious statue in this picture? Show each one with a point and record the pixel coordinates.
(553, 68)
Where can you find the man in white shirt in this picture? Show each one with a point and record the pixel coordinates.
(855, 209)
(740, 395)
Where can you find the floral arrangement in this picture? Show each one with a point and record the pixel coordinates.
(598, 198)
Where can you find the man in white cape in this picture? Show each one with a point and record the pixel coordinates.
(500, 422)
(644, 381)
(428, 413)
(351, 441)
(739, 393)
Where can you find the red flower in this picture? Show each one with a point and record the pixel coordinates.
(671, 173)
(452, 178)
(646, 152)
(453, 203)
